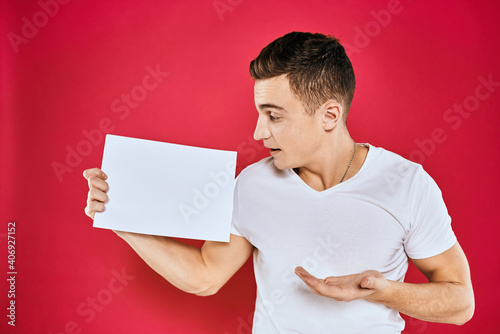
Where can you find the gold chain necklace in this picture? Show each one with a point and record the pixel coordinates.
(352, 157)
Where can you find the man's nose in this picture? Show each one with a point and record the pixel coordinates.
(261, 130)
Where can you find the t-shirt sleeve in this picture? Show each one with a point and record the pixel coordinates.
(430, 231)
(235, 231)
(234, 220)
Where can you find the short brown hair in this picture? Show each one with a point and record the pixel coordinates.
(316, 65)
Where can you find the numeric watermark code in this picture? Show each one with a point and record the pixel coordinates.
(11, 273)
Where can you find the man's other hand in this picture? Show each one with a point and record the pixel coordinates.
(97, 191)
(366, 285)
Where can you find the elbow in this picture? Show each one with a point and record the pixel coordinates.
(465, 316)
(464, 307)
(210, 291)
(206, 290)
(200, 283)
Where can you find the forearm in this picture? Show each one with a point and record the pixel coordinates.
(180, 264)
(444, 302)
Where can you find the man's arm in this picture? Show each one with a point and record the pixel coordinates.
(199, 271)
(447, 298)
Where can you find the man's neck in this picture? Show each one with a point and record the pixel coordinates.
(332, 163)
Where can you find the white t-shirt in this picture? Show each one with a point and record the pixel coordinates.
(389, 211)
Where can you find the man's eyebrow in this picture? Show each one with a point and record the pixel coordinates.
(271, 106)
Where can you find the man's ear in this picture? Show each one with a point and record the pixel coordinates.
(332, 112)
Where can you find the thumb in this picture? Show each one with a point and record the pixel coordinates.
(370, 282)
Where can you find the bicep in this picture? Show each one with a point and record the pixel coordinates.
(449, 266)
(223, 259)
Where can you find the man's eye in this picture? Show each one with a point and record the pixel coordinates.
(273, 118)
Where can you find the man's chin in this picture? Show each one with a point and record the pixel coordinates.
(280, 165)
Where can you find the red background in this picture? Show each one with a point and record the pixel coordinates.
(63, 79)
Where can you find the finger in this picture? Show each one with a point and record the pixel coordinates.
(346, 291)
(97, 172)
(97, 195)
(301, 272)
(306, 276)
(340, 279)
(311, 281)
(88, 212)
(367, 282)
(373, 283)
(319, 287)
(92, 208)
(98, 183)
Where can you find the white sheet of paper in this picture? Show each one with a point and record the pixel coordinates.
(167, 189)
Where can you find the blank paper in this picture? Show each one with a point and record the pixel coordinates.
(167, 189)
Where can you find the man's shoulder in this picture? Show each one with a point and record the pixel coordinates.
(261, 176)
(389, 160)
(393, 169)
(263, 167)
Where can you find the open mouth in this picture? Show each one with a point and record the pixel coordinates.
(275, 149)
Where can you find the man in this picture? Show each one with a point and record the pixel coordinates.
(352, 213)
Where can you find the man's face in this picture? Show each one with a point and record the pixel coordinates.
(292, 136)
